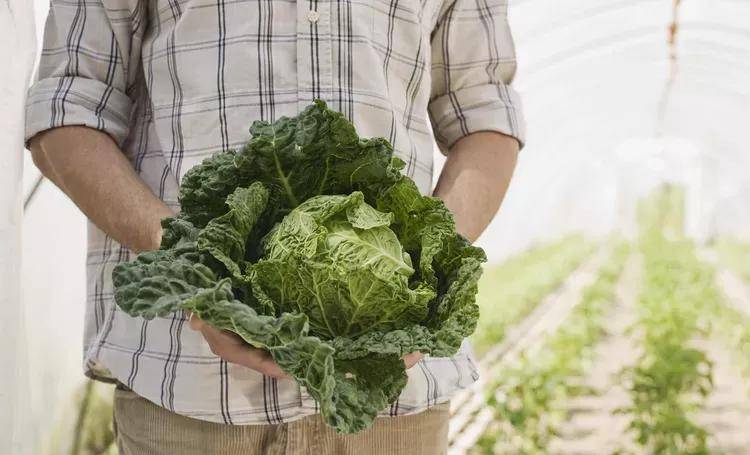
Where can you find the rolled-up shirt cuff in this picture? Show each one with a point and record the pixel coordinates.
(66, 101)
(488, 107)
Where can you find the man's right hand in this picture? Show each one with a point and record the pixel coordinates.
(232, 348)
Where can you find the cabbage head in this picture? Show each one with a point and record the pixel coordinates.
(335, 259)
(310, 243)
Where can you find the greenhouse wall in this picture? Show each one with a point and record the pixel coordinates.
(18, 51)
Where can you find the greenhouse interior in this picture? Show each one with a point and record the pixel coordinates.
(615, 302)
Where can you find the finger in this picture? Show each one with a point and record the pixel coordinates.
(196, 323)
(229, 349)
(227, 337)
(412, 359)
(412, 356)
(234, 349)
(273, 369)
(222, 338)
(259, 360)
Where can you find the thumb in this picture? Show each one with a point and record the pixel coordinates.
(195, 322)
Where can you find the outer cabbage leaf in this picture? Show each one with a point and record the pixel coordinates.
(159, 282)
(316, 152)
(225, 237)
(308, 359)
(205, 187)
(413, 338)
(350, 392)
(459, 266)
(176, 230)
(423, 224)
(364, 387)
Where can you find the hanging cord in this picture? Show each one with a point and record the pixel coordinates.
(33, 192)
(673, 67)
(83, 409)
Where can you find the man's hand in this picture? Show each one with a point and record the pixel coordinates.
(412, 359)
(232, 348)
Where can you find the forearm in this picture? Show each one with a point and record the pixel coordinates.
(91, 169)
(475, 179)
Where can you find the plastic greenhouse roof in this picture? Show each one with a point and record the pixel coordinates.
(605, 66)
(595, 80)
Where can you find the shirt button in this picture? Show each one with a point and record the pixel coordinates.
(313, 16)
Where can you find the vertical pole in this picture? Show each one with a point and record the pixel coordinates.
(18, 35)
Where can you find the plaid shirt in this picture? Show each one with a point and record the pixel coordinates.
(173, 81)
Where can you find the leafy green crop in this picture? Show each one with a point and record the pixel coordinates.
(527, 399)
(729, 324)
(735, 254)
(510, 291)
(671, 378)
(308, 242)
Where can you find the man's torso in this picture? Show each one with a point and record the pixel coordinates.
(205, 71)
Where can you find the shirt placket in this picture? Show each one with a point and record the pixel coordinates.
(314, 78)
(314, 51)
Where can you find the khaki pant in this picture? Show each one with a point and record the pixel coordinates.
(143, 428)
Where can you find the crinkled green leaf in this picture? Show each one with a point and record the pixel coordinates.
(280, 335)
(205, 187)
(459, 266)
(317, 152)
(423, 224)
(349, 304)
(364, 387)
(349, 395)
(348, 280)
(225, 237)
(158, 282)
(177, 230)
(413, 338)
(446, 261)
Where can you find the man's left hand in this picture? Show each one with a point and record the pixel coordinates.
(412, 359)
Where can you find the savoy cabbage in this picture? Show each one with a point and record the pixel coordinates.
(309, 242)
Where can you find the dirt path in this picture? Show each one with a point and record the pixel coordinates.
(470, 416)
(593, 427)
(726, 413)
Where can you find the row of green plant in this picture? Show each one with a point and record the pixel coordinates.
(735, 255)
(528, 399)
(663, 210)
(729, 324)
(732, 327)
(85, 428)
(671, 378)
(510, 291)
